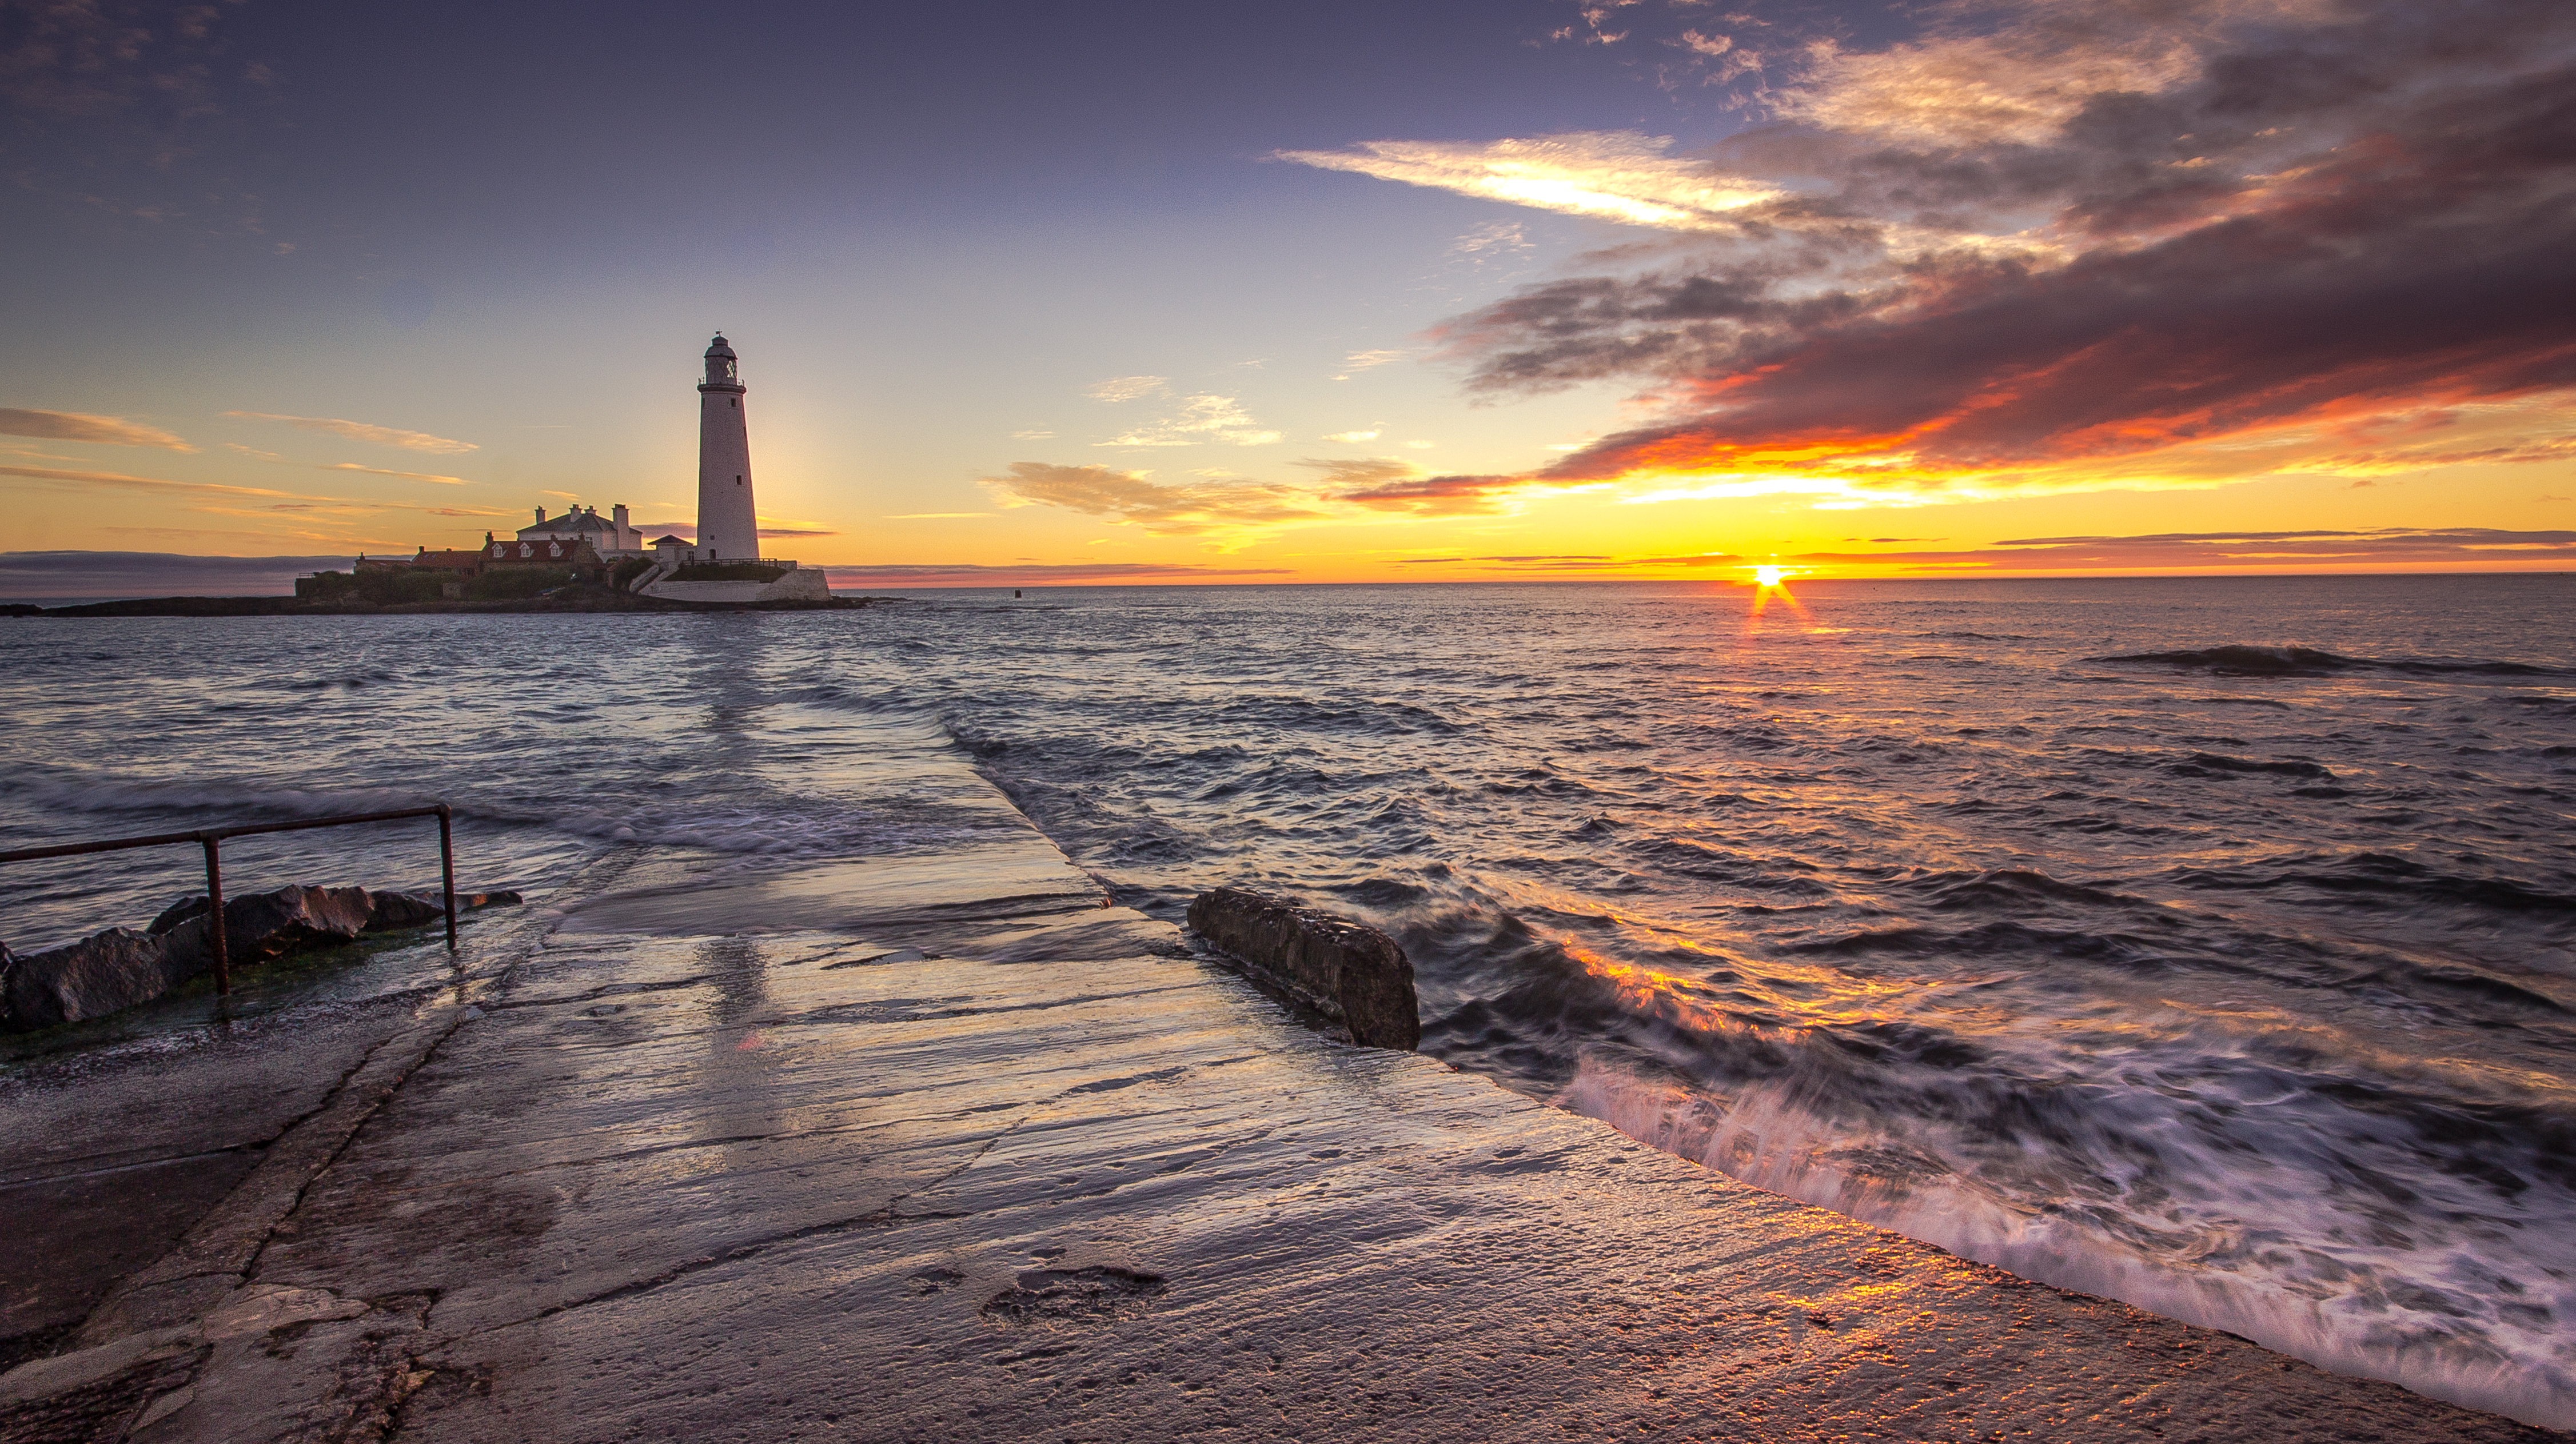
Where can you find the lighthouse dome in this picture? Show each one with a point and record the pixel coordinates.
(722, 348)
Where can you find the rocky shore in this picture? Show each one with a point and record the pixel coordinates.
(120, 968)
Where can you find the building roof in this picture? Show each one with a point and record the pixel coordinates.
(671, 541)
(454, 560)
(572, 523)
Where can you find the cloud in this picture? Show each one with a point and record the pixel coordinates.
(1354, 438)
(82, 426)
(1367, 360)
(1438, 495)
(69, 575)
(140, 483)
(364, 431)
(1031, 435)
(1203, 420)
(1033, 574)
(1618, 175)
(1581, 562)
(933, 515)
(1124, 388)
(1390, 484)
(2452, 547)
(795, 531)
(404, 475)
(2038, 246)
(1189, 509)
(1493, 241)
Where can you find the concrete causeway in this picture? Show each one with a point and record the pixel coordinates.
(940, 1147)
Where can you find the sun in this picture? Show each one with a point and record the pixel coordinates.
(1769, 576)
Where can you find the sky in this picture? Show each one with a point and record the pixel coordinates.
(1032, 293)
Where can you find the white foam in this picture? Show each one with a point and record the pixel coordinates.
(2285, 1280)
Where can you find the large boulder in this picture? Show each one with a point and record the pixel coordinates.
(1354, 974)
(263, 925)
(394, 911)
(99, 974)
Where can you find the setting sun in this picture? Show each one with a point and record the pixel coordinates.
(1769, 576)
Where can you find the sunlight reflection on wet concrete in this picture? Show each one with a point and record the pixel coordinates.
(940, 1147)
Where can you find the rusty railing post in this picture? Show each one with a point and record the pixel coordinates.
(447, 873)
(211, 839)
(215, 911)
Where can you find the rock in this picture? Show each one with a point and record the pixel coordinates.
(99, 974)
(121, 967)
(389, 911)
(393, 911)
(1353, 973)
(264, 925)
(193, 905)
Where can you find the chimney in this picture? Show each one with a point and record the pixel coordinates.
(541, 514)
(626, 538)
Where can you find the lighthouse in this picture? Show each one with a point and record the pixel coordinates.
(727, 528)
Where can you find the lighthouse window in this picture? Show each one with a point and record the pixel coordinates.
(734, 401)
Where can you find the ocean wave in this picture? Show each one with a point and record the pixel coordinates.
(2246, 660)
(2311, 1262)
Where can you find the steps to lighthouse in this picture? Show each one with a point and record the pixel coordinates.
(801, 585)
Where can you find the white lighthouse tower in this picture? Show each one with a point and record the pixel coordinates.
(728, 529)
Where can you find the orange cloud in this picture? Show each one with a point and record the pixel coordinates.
(82, 426)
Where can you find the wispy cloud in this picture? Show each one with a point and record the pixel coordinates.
(1037, 574)
(82, 426)
(933, 515)
(120, 480)
(1618, 175)
(363, 431)
(1367, 360)
(1354, 438)
(404, 475)
(1201, 421)
(1170, 509)
(1124, 388)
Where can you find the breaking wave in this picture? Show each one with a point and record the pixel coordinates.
(2242, 660)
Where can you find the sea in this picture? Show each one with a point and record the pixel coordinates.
(2208, 943)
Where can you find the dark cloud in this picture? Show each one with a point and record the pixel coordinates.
(2248, 550)
(116, 105)
(65, 576)
(2045, 233)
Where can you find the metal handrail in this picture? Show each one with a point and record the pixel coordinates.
(210, 837)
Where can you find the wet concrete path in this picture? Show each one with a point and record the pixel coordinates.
(941, 1148)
